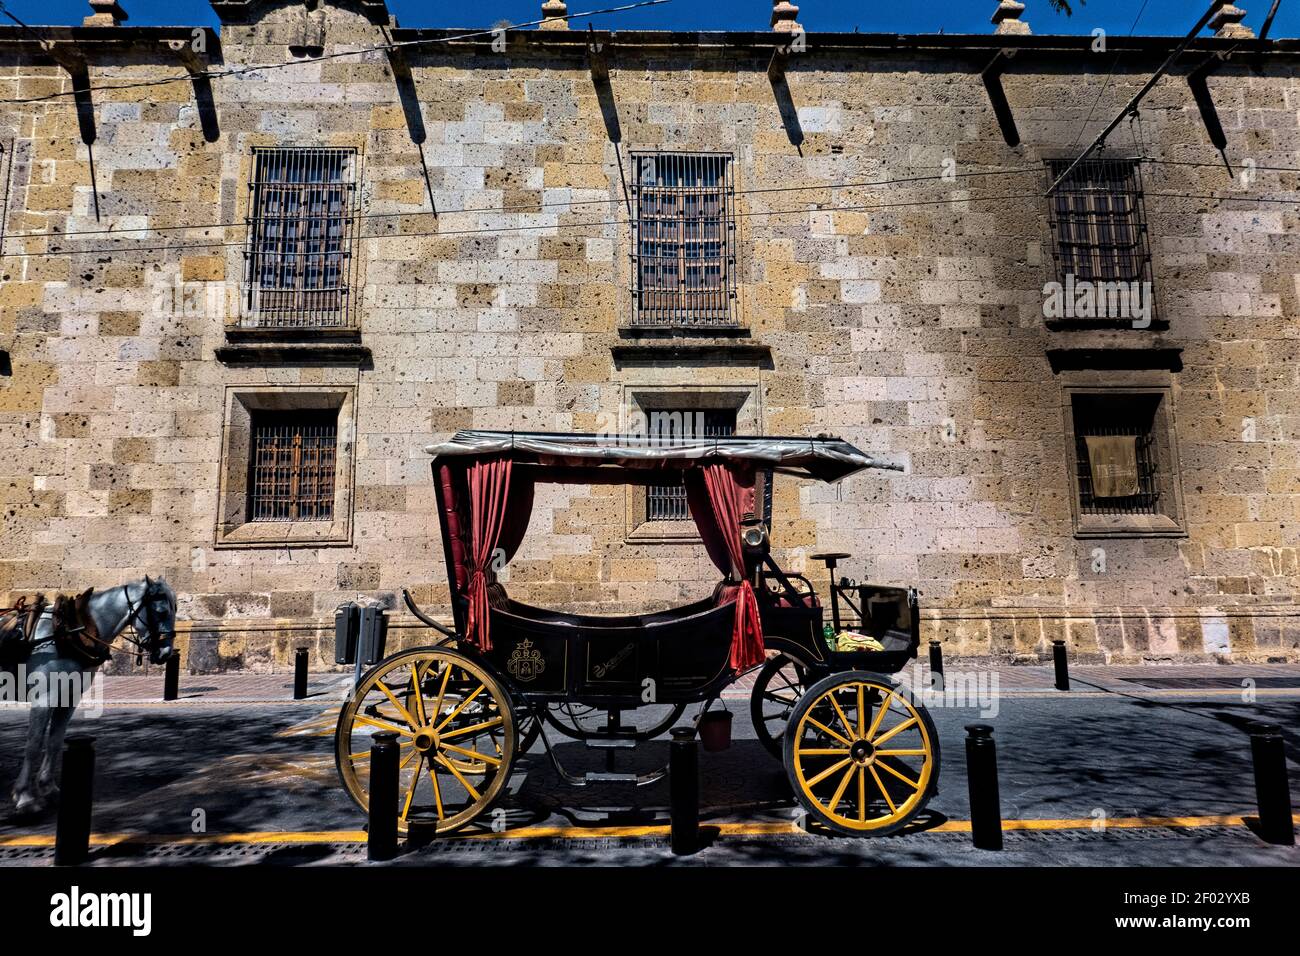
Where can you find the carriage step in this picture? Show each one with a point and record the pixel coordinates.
(610, 743)
(640, 779)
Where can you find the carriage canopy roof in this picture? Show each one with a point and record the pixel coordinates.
(826, 459)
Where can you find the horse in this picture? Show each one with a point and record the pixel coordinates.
(148, 608)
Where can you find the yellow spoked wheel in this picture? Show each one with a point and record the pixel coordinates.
(862, 756)
(455, 734)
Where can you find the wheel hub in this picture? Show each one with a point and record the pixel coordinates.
(862, 752)
(426, 738)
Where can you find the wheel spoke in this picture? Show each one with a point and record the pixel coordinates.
(879, 783)
(894, 730)
(442, 691)
(911, 752)
(914, 784)
(862, 713)
(419, 695)
(777, 698)
(824, 752)
(828, 771)
(461, 706)
(839, 791)
(410, 791)
(848, 725)
(365, 754)
(437, 791)
(880, 715)
(494, 761)
(495, 721)
(469, 788)
(818, 724)
(382, 725)
(406, 715)
(862, 794)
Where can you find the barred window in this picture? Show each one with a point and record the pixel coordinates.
(1099, 221)
(668, 502)
(292, 466)
(301, 232)
(1117, 454)
(684, 247)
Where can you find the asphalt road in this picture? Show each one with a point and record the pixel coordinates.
(1098, 757)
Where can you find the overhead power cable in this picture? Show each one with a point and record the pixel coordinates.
(338, 54)
(520, 208)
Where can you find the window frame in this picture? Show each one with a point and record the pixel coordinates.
(650, 490)
(1102, 232)
(234, 527)
(644, 400)
(262, 504)
(661, 308)
(1168, 520)
(303, 304)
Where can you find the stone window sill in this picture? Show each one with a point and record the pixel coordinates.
(664, 532)
(279, 534)
(1129, 526)
(293, 346)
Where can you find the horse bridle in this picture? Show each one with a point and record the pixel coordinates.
(153, 633)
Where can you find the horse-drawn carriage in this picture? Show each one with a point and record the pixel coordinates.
(861, 755)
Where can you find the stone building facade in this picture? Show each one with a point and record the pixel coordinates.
(878, 272)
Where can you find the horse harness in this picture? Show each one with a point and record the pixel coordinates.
(73, 631)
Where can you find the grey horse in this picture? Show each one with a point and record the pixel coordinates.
(56, 682)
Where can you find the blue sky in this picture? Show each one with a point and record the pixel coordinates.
(1161, 17)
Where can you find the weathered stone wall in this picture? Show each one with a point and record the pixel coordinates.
(910, 325)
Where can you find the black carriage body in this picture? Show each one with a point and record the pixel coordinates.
(616, 662)
(681, 655)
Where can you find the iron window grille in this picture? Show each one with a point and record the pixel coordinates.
(301, 232)
(1098, 221)
(292, 466)
(1130, 415)
(683, 249)
(668, 502)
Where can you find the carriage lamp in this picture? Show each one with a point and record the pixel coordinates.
(753, 534)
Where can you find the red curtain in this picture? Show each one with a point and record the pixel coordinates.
(718, 501)
(489, 484)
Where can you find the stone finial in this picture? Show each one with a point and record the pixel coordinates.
(108, 13)
(1227, 23)
(554, 11)
(1007, 18)
(783, 17)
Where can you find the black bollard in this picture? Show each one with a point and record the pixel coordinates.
(936, 665)
(76, 794)
(684, 790)
(300, 673)
(381, 836)
(1272, 790)
(420, 832)
(172, 677)
(1062, 665)
(982, 778)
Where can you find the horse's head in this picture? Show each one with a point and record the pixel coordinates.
(156, 618)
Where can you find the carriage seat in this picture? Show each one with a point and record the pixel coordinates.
(499, 600)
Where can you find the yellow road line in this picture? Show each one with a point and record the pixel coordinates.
(1014, 693)
(596, 833)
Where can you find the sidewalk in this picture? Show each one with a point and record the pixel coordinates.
(328, 688)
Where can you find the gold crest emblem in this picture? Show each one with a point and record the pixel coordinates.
(525, 662)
